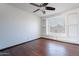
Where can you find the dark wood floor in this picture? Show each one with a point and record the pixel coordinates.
(44, 47)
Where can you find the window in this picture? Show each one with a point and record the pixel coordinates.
(55, 25)
(72, 24)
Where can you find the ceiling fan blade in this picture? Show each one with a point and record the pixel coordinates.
(49, 8)
(44, 4)
(35, 4)
(36, 10)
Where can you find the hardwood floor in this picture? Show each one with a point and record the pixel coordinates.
(44, 47)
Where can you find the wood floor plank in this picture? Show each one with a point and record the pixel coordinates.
(44, 47)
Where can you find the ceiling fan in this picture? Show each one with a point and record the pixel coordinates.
(42, 7)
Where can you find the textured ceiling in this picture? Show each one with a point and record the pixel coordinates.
(60, 7)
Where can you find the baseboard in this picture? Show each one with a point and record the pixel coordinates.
(37, 39)
(18, 44)
(58, 41)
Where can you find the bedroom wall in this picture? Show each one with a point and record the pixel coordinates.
(17, 26)
(61, 36)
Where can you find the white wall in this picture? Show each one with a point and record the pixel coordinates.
(62, 36)
(17, 26)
